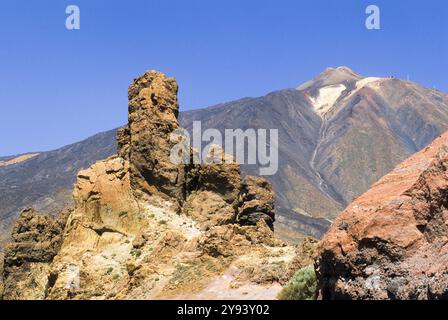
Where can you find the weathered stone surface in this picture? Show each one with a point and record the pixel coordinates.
(123, 142)
(139, 241)
(212, 189)
(106, 218)
(36, 239)
(104, 199)
(218, 174)
(305, 254)
(392, 242)
(208, 209)
(145, 142)
(256, 202)
(233, 239)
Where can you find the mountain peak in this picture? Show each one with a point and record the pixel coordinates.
(331, 76)
(347, 70)
(342, 70)
(325, 89)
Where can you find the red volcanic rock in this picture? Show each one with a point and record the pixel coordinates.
(392, 242)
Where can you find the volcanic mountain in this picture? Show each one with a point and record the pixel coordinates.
(338, 134)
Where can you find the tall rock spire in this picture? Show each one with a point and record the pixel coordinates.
(145, 142)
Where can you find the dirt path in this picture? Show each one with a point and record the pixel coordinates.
(222, 288)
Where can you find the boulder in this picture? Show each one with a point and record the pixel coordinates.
(392, 242)
(212, 189)
(208, 209)
(218, 173)
(233, 240)
(104, 199)
(36, 239)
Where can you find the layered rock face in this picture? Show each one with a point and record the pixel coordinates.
(36, 239)
(256, 202)
(143, 227)
(392, 242)
(145, 142)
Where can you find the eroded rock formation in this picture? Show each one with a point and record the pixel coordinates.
(145, 142)
(256, 202)
(392, 242)
(143, 227)
(213, 189)
(36, 239)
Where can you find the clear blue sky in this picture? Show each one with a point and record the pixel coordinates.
(59, 86)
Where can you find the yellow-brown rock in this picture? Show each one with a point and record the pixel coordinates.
(145, 142)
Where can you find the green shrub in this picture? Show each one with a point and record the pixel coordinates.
(109, 270)
(136, 252)
(302, 286)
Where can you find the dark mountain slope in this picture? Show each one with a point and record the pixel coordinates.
(45, 180)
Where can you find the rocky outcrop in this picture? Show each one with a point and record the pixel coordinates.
(256, 202)
(233, 239)
(36, 240)
(392, 242)
(145, 142)
(143, 227)
(208, 209)
(213, 189)
(222, 179)
(104, 199)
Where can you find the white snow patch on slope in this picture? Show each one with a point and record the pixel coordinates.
(367, 81)
(326, 98)
(372, 82)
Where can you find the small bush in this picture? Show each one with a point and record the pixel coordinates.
(136, 252)
(109, 270)
(302, 286)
